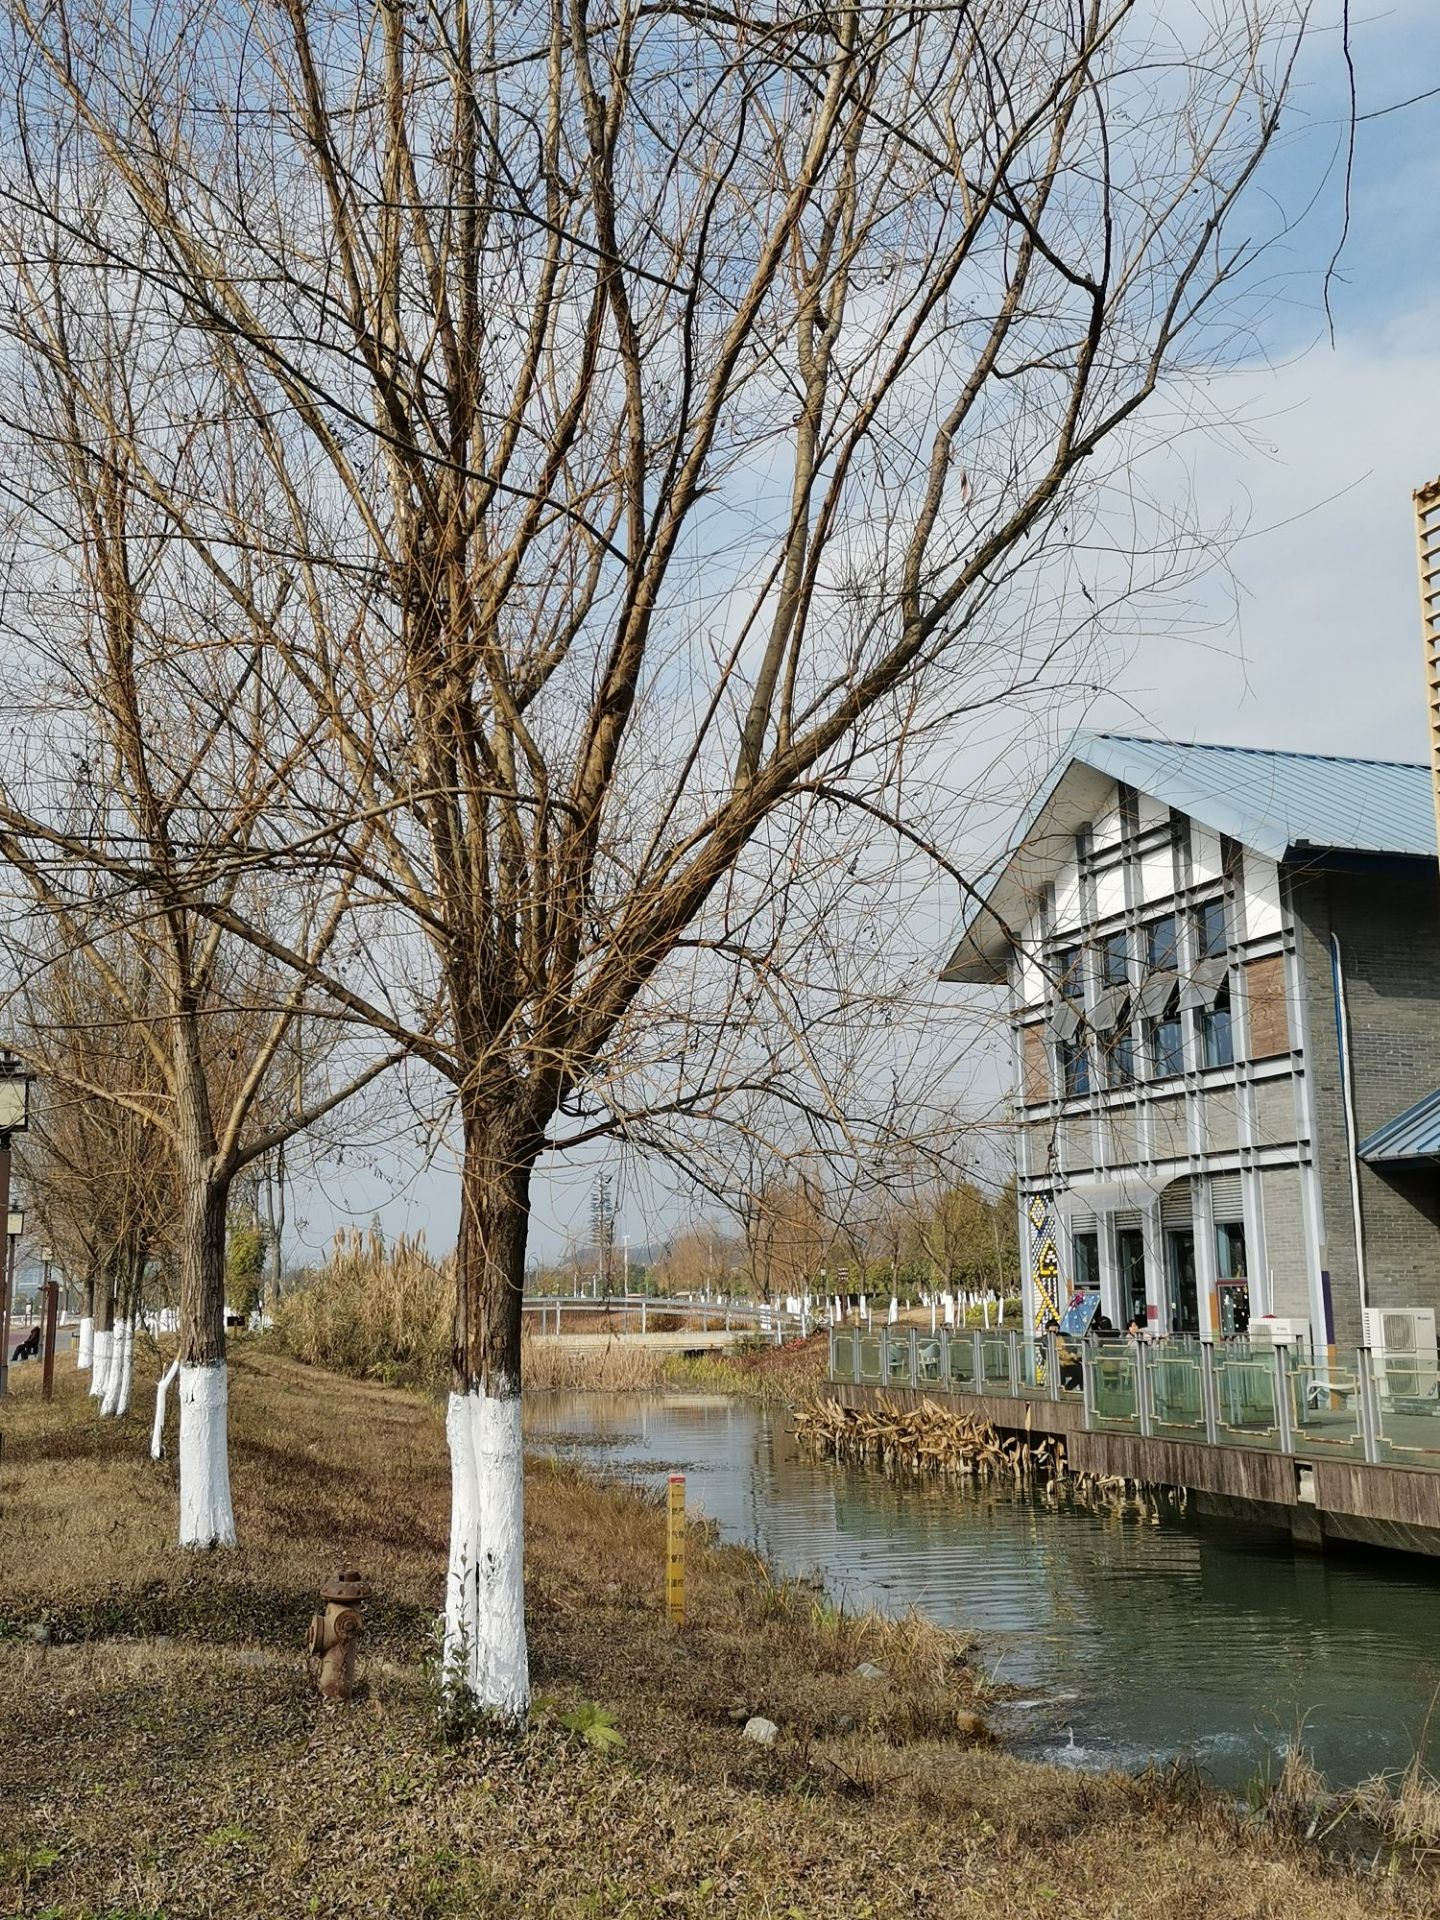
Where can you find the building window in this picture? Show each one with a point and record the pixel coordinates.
(1115, 960)
(1074, 1067)
(1233, 1289)
(1120, 1058)
(1167, 1042)
(1211, 933)
(1130, 1251)
(1069, 964)
(1230, 1251)
(1087, 1262)
(1161, 951)
(1128, 801)
(1217, 1038)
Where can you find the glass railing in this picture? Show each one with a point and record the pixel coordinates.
(1407, 1408)
(1114, 1400)
(1177, 1393)
(1246, 1410)
(1383, 1407)
(1326, 1407)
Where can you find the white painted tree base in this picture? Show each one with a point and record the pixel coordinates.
(85, 1346)
(206, 1516)
(116, 1402)
(162, 1392)
(485, 1651)
(100, 1362)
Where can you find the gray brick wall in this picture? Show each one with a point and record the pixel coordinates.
(1285, 1241)
(1389, 929)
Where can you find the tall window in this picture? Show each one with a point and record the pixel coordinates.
(1161, 951)
(1230, 1251)
(1167, 1042)
(1074, 1067)
(1210, 931)
(1069, 964)
(1217, 1038)
(1087, 1262)
(1115, 960)
(1120, 1058)
(1128, 801)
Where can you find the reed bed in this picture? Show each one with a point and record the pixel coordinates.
(931, 1439)
(375, 1311)
(606, 1366)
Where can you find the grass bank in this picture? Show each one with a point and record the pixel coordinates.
(162, 1753)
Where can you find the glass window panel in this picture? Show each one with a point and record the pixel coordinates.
(1160, 945)
(1115, 960)
(1167, 1044)
(1071, 972)
(1210, 932)
(1217, 1037)
(1075, 1067)
(1120, 1059)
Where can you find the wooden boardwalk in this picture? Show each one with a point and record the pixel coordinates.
(1317, 1499)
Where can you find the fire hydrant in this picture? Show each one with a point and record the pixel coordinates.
(335, 1633)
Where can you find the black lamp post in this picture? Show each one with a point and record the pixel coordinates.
(15, 1082)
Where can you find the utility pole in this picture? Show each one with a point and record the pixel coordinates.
(14, 1118)
(602, 1228)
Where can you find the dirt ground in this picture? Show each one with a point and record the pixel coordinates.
(163, 1752)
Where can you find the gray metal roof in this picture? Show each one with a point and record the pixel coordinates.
(1286, 805)
(1412, 1135)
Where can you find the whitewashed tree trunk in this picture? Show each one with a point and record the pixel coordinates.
(114, 1370)
(85, 1345)
(121, 1391)
(485, 1651)
(206, 1516)
(162, 1392)
(100, 1364)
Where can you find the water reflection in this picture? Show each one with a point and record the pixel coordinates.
(1129, 1638)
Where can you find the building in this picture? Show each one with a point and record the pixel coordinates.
(1223, 969)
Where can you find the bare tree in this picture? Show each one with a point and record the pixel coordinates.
(675, 420)
(147, 774)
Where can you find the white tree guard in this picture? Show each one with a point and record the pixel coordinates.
(206, 1516)
(85, 1345)
(162, 1393)
(485, 1650)
(100, 1362)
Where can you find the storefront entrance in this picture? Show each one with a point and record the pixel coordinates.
(1130, 1254)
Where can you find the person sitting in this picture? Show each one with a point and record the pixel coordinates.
(29, 1347)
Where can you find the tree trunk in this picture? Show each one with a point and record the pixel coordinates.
(85, 1344)
(485, 1653)
(104, 1336)
(206, 1516)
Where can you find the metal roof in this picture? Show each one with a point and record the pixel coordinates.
(1412, 1135)
(1289, 806)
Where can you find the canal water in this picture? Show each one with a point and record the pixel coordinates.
(1128, 1639)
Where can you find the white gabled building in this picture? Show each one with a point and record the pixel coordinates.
(1224, 975)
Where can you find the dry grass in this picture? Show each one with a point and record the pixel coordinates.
(166, 1755)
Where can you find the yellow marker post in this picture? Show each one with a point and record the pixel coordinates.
(675, 1551)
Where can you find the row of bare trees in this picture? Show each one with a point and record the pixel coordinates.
(498, 503)
(793, 1238)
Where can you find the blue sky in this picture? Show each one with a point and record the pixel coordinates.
(1308, 632)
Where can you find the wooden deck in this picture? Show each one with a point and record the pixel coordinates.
(1317, 1499)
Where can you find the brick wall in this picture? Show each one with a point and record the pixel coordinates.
(1389, 930)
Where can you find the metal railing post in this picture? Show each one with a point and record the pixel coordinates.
(914, 1358)
(1142, 1388)
(1013, 1341)
(1087, 1384)
(834, 1374)
(977, 1379)
(1285, 1425)
(944, 1340)
(1209, 1394)
(1052, 1364)
(1370, 1427)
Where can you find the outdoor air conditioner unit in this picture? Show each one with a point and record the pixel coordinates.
(1402, 1340)
(1280, 1330)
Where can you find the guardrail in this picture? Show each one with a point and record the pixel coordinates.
(635, 1313)
(1383, 1409)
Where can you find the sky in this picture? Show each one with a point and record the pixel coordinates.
(1304, 633)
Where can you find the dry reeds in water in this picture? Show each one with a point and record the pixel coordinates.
(927, 1439)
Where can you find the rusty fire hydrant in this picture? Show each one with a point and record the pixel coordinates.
(335, 1633)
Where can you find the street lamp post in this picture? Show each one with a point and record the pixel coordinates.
(14, 1227)
(14, 1118)
(49, 1295)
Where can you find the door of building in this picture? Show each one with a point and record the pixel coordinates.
(1184, 1292)
(1130, 1253)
